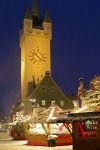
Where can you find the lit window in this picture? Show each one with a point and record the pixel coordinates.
(43, 102)
(52, 102)
(62, 103)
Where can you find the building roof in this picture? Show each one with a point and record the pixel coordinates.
(47, 90)
(42, 115)
(35, 16)
(35, 9)
(28, 14)
(47, 17)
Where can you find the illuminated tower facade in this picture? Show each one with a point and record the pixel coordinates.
(35, 37)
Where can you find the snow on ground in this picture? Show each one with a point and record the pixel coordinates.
(6, 143)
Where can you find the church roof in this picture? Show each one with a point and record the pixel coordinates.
(28, 14)
(35, 16)
(35, 9)
(37, 21)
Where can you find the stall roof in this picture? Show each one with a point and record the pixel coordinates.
(78, 116)
(49, 115)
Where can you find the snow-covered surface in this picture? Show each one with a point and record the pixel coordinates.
(80, 109)
(6, 143)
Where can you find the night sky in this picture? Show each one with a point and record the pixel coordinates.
(75, 48)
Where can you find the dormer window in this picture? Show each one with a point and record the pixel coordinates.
(52, 88)
(43, 88)
(47, 79)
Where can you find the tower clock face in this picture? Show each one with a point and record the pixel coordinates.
(37, 56)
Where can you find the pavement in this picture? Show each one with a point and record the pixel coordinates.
(7, 143)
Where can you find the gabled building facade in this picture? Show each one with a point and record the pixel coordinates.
(47, 93)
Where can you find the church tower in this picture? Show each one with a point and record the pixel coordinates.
(35, 37)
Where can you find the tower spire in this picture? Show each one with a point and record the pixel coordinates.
(35, 8)
(47, 17)
(28, 14)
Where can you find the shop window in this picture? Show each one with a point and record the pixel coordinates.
(88, 124)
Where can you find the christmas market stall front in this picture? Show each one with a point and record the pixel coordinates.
(19, 126)
(45, 132)
(85, 130)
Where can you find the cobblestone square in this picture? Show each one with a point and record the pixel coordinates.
(6, 143)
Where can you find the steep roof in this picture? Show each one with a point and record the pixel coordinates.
(47, 17)
(35, 9)
(28, 14)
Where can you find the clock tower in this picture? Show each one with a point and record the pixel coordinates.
(35, 37)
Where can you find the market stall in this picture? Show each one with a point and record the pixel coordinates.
(18, 128)
(45, 131)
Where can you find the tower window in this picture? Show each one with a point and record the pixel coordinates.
(52, 102)
(62, 103)
(43, 102)
(52, 88)
(38, 79)
(43, 88)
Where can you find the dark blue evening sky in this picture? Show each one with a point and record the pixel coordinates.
(75, 48)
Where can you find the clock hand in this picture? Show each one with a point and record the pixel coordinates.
(37, 56)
